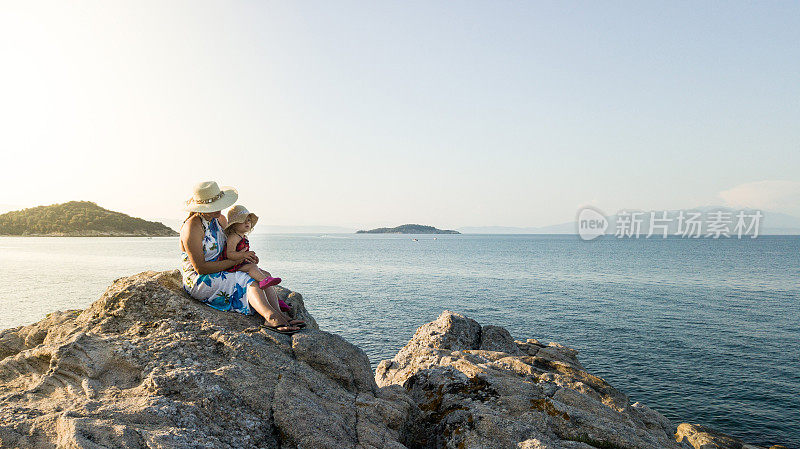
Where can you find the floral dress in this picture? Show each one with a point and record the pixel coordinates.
(221, 290)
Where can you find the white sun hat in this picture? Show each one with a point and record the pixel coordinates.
(209, 197)
(239, 214)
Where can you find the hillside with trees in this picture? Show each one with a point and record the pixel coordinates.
(78, 218)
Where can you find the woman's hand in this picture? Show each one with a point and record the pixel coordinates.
(250, 257)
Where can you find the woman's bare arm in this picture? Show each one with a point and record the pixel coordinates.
(192, 238)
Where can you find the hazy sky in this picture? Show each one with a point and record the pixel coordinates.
(381, 113)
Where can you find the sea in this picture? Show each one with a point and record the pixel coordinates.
(705, 331)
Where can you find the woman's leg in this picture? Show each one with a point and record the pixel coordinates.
(271, 313)
(272, 297)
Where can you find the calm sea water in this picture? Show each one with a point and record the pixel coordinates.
(705, 331)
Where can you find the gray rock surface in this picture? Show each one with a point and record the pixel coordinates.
(702, 437)
(148, 367)
(477, 388)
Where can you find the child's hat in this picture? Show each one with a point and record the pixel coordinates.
(239, 214)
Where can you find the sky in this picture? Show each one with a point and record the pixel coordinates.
(378, 113)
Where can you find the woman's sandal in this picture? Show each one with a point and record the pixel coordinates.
(301, 324)
(286, 332)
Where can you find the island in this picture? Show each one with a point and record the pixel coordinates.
(409, 229)
(78, 219)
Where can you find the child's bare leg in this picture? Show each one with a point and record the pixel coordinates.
(254, 272)
(272, 296)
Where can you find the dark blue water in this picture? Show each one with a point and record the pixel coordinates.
(704, 331)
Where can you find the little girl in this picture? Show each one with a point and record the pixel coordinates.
(237, 247)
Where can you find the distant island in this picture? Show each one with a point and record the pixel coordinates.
(78, 219)
(409, 229)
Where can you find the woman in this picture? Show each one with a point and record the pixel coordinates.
(205, 278)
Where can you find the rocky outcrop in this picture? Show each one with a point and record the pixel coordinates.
(477, 388)
(701, 437)
(146, 366)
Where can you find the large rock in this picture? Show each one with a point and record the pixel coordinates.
(702, 437)
(477, 388)
(147, 366)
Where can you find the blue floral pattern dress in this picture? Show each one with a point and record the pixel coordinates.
(222, 290)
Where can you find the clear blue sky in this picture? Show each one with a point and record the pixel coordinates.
(381, 113)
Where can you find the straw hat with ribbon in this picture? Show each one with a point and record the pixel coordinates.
(239, 214)
(209, 197)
